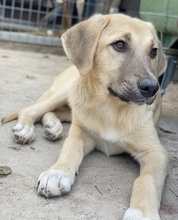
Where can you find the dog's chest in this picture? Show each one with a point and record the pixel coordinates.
(110, 143)
(110, 136)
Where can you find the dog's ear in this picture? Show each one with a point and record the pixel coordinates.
(80, 42)
(162, 62)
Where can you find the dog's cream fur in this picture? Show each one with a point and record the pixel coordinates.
(100, 119)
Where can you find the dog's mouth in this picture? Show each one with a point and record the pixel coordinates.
(132, 97)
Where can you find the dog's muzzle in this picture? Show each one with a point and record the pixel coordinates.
(143, 93)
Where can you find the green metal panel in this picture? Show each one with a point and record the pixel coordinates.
(164, 15)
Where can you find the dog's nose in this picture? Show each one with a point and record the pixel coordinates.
(148, 87)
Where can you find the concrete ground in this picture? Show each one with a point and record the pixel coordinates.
(103, 187)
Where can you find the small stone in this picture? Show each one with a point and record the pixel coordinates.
(4, 170)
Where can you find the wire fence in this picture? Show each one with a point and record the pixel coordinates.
(43, 21)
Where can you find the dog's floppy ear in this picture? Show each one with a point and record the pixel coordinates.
(80, 42)
(162, 62)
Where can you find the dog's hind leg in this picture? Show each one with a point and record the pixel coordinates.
(24, 129)
(61, 84)
(53, 99)
(52, 126)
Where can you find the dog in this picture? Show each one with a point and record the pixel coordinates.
(112, 97)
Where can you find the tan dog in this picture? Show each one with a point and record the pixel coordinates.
(115, 102)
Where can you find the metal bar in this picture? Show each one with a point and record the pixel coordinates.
(29, 38)
(21, 13)
(12, 12)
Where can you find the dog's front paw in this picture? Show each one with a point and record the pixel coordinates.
(54, 183)
(23, 134)
(52, 129)
(135, 214)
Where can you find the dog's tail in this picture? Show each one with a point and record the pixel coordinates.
(10, 117)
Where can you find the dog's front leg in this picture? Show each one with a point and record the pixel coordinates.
(60, 177)
(148, 187)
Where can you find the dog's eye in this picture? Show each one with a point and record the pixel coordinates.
(153, 53)
(120, 45)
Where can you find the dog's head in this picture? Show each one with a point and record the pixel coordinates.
(124, 52)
